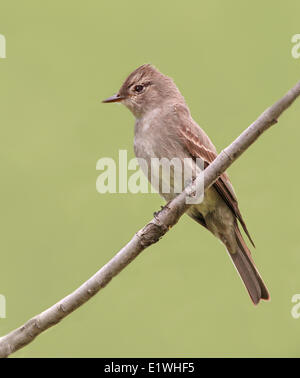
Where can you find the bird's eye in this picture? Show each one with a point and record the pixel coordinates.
(138, 88)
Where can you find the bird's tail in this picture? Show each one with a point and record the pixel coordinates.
(247, 270)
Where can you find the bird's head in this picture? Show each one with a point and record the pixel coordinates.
(144, 90)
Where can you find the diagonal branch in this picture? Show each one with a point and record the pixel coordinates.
(148, 235)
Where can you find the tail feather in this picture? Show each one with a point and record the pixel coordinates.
(247, 270)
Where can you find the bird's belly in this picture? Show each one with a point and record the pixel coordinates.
(168, 168)
(169, 176)
(165, 176)
(210, 201)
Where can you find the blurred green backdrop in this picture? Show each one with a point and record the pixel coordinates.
(231, 60)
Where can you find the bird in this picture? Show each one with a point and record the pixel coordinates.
(164, 128)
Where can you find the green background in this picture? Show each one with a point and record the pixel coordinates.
(181, 297)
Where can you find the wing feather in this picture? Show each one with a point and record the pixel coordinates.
(199, 145)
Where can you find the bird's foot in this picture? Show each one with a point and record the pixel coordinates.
(156, 213)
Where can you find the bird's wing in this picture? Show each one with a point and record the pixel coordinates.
(199, 145)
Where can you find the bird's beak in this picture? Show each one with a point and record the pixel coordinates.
(114, 98)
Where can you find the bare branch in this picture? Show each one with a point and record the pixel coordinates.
(148, 235)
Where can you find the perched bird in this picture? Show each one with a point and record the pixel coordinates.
(164, 128)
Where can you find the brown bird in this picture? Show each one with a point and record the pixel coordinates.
(164, 128)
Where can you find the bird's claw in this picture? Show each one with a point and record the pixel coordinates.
(156, 213)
